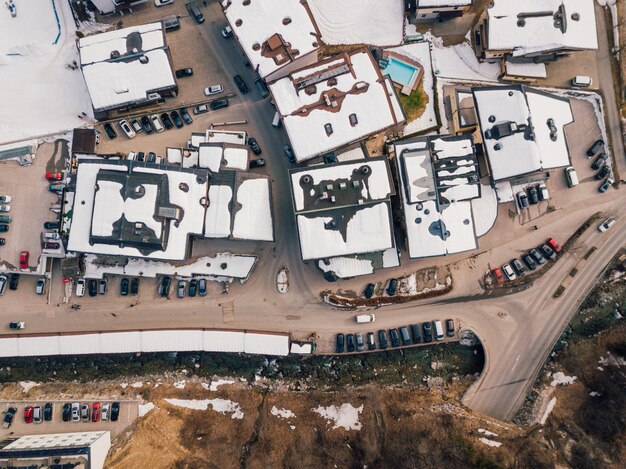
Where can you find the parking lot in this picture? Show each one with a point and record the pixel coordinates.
(128, 414)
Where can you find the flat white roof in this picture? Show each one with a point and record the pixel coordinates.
(217, 219)
(517, 137)
(114, 82)
(321, 121)
(254, 22)
(253, 220)
(219, 157)
(530, 70)
(442, 3)
(55, 440)
(374, 22)
(529, 26)
(345, 267)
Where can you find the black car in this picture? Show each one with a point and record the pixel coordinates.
(67, 412)
(340, 339)
(147, 125)
(533, 195)
(176, 118)
(141, 156)
(164, 289)
(51, 245)
(369, 290)
(15, 280)
(350, 339)
(115, 411)
(427, 328)
(289, 152)
(254, 145)
(536, 255)
(202, 287)
(185, 115)
(4, 228)
(258, 163)
(604, 172)
(3, 241)
(219, 104)
(371, 343)
(167, 122)
(415, 332)
(360, 346)
(392, 287)
(450, 327)
(93, 287)
(184, 72)
(47, 411)
(52, 225)
(529, 261)
(111, 133)
(382, 340)
(8, 417)
(518, 267)
(124, 287)
(395, 337)
(193, 287)
(241, 85)
(605, 185)
(599, 161)
(151, 158)
(595, 148)
(134, 286)
(547, 251)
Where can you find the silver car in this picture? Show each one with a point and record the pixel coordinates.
(75, 412)
(5, 208)
(181, 289)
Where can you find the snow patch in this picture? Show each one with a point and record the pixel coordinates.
(495, 444)
(138, 384)
(549, 409)
(282, 413)
(145, 408)
(223, 406)
(180, 384)
(560, 378)
(346, 416)
(486, 432)
(217, 383)
(28, 385)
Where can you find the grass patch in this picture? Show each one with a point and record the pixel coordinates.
(414, 104)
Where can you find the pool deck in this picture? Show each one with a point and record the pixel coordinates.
(406, 89)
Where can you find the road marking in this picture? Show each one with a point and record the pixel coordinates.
(516, 363)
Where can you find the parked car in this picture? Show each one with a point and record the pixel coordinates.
(395, 337)
(392, 286)
(404, 335)
(51, 246)
(37, 416)
(360, 346)
(181, 289)
(84, 412)
(66, 413)
(40, 286)
(93, 287)
(147, 125)
(151, 158)
(427, 329)
(164, 289)
(529, 261)
(8, 417)
(167, 122)
(194, 11)
(533, 195)
(227, 32)
(128, 130)
(497, 275)
(75, 412)
(95, 412)
(80, 287)
(17, 325)
(5, 198)
(371, 343)
(241, 85)
(599, 161)
(47, 411)
(554, 244)
(53, 236)
(14, 281)
(536, 255)
(3, 283)
(289, 152)
(258, 163)
(200, 109)
(53, 177)
(509, 272)
(5, 208)
(369, 290)
(58, 187)
(213, 90)
(339, 343)
(52, 225)
(202, 287)
(184, 72)
(108, 129)
(136, 125)
(193, 287)
(518, 267)
(103, 286)
(124, 284)
(162, 3)
(595, 148)
(350, 340)
(605, 185)
(415, 332)
(547, 251)
(606, 224)
(604, 172)
(156, 123)
(450, 327)
(254, 146)
(185, 115)
(382, 339)
(522, 200)
(177, 120)
(141, 156)
(543, 192)
(219, 104)
(4, 228)
(134, 286)
(5, 219)
(115, 411)
(3, 241)
(105, 412)
(24, 260)
(28, 414)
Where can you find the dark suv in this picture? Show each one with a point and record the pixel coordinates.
(241, 85)
(427, 327)
(219, 104)
(340, 339)
(395, 337)
(382, 339)
(350, 338)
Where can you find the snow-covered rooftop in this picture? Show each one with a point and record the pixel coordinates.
(535, 26)
(442, 3)
(375, 22)
(218, 156)
(253, 219)
(272, 33)
(124, 65)
(335, 102)
(523, 129)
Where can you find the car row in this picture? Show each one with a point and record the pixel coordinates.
(5, 200)
(532, 195)
(397, 336)
(74, 412)
(533, 258)
(392, 287)
(196, 286)
(12, 281)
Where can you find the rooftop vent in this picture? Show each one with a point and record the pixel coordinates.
(365, 169)
(144, 59)
(333, 199)
(328, 128)
(239, 22)
(306, 179)
(115, 54)
(353, 120)
(575, 16)
(286, 20)
(492, 118)
(497, 147)
(329, 186)
(343, 185)
(256, 46)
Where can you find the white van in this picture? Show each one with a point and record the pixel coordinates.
(365, 318)
(276, 122)
(582, 81)
(80, 287)
(438, 330)
(156, 123)
(572, 177)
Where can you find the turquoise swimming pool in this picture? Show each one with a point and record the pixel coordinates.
(400, 72)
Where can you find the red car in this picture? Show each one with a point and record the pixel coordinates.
(24, 260)
(28, 414)
(553, 243)
(54, 176)
(95, 412)
(497, 273)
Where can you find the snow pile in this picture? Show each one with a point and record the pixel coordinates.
(460, 62)
(216, 384)
(486, 432)
(488, 442)
(28, 385)
(138, 384)
(38, 77)
(180, 384)
(282, 413)
(612, 360)
(594, 394)
(223, 406)
(560, 378)
(548, 410)
(375, 22)
(145, 408)
(346, 416)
